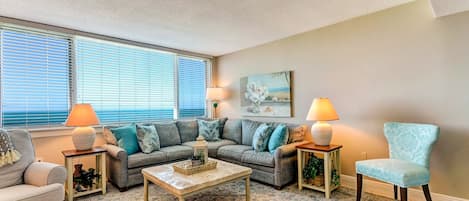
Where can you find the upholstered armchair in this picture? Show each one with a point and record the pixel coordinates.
(27, 180)
(410, 146)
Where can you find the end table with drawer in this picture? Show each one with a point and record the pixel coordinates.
(331, 157)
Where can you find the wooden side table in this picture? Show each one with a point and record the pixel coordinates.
(100, 154)
(331, 155)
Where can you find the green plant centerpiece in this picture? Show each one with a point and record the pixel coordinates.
(313, 168)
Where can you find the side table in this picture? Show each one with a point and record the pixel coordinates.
(100, 154)
(331, 156)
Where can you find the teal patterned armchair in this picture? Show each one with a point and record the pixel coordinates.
(410, 146)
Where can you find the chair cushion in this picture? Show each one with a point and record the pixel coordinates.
(232, 152)
(126, 137)
(212, 146)
(168, 133)
(394, 171)
(52, 192)
(188, 130)
(12, 174)
(232, 130)
(261, 137)
(177, 152)
(148, 139)
(143, 159)
(259, 158)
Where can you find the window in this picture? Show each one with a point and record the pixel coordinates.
(192, 81)
(42, 74)
(35, 77)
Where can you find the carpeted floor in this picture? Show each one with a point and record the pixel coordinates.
(233, 191)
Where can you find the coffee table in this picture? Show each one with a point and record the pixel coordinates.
(181, 185)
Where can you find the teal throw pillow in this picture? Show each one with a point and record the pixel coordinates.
(261, 137)
(126, 137)
(209, 129)
(148, 139)
(278, 138)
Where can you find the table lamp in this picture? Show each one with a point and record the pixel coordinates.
(214, 94)
(82, 117)
(322, 111)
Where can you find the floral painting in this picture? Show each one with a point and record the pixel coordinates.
(266, 95)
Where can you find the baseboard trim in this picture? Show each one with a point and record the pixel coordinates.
(386, 190)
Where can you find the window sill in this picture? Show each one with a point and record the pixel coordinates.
(55, 132)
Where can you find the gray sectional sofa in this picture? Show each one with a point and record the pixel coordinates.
(235, 146)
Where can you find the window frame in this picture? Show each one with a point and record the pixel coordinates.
(73, 77)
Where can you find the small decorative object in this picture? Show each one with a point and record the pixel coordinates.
(215, 94)
(82, 117)
(185, 167)
(201, 149)
(83, 180)
(313, 169)
(195, 161)
(267, 95)
(321, 111)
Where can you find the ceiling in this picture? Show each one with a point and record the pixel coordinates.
(213, 27)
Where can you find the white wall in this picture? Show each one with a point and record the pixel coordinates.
(396, 65)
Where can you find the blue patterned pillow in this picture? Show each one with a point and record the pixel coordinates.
(148, 139)
(209, 129)
(261, 137)
(278, 138)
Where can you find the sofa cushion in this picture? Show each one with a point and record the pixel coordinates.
(143, 159)
(168, 133)
(188, 130)
(259, 158)
(148, 139)
(212, 146)
(222, 122)
(232, 130)
(232, 152)
(29, 192)
(260, 140)
(12, 174)
(178, 152)
(278, 138)
(108, 136)
(209, 129)
(126, 137)
(296, 133)
(249, 128)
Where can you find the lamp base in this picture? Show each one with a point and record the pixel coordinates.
(83, 138)
(322, 133)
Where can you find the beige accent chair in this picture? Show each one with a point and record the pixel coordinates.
(27, 180)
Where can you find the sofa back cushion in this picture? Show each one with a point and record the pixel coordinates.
(12, 174)
(187, 130)
(232, 130)
(248, 129)
(168, 133)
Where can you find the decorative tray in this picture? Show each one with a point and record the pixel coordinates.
(185, 167)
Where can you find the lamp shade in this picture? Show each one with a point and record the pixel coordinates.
(322, 110)
(215, 93)
(82, 115)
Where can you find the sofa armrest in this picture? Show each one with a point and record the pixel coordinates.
(116, 152)
(288, 149)
(43, 173)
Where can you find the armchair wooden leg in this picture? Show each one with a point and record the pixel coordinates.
(403, 194)
(426, 191)
(395, 192)
(359, 186)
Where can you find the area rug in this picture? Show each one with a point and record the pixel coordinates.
(233, 191)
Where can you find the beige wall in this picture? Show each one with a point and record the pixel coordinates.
(396, 65)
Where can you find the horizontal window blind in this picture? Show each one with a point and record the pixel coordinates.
(125, 83)
(35, 79)
(192, 81)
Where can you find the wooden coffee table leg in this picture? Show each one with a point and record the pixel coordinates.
(248, 189)
(145, 189)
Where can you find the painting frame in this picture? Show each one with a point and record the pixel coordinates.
(266, 95)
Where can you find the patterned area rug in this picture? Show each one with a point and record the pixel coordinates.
(233, 191)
